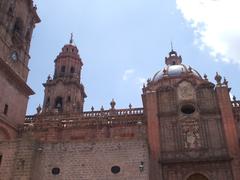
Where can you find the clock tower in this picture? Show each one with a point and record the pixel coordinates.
(17, 21)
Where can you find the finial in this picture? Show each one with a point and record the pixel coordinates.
(71, 39)
(102, 109)
(130, 106)
(113, 103)
(164, 72)
(190, 69)
(218, 78)
(39, 109)
(92, 108)
(49, 77)
(148, 81)
(234, 98)
(225, 82)
(205, 77)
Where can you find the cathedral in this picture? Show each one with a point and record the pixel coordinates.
(186, 129)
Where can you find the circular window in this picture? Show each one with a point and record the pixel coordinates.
(115, 169)
(188, 109)
(55, 171)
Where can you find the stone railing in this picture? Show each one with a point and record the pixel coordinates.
(64, 124)
(89, 114)
(236, 104)
(30, 118)
(110, 118)
(114, 112)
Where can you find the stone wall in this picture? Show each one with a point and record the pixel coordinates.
(92, 160)
(7, 151)
(12, 96)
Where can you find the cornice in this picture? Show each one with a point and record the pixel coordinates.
(14, 78)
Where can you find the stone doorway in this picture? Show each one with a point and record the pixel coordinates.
(197, 177)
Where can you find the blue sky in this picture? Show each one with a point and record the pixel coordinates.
(124, 42)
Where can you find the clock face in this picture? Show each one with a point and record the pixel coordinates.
(14, 56)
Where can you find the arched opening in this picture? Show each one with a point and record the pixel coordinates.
(63, 69)
(59, 103)
(18, 27)
(5, 109)
(0, 159)
(69, 99)
(197, 177)
(10, 10)
(48, 102)
(72, 70)
(28, 35)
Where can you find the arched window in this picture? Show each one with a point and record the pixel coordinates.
(10, 10)
(197, 176)
(18, 26)
(63, 69)
(28, 35)
(5, 109)
(58, 103)
(72, 70)
(69, 99)
(48, 102)
(0, 159)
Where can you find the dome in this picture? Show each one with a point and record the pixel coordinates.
(174, 68)
(174, 71)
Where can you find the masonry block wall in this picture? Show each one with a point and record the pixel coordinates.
(16, 102)
(92, 160)
(8, 150)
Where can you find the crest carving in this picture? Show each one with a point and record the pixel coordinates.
(186, 91)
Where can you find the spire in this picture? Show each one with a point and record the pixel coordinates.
(171, 46)
(71, 39)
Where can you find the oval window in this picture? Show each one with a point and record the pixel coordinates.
(188, 109)
(55, 171)
(115, 169)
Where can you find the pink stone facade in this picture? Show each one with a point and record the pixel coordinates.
(187, 128)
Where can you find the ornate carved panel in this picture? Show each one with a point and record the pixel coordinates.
(191, 134)
(186, 91)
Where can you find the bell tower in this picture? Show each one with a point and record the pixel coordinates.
(64, 93)
(17, 21)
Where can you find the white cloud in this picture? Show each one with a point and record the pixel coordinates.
(216, 26)
(127, 73)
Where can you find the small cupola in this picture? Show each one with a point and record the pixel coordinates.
(173, 58)
(174, 68)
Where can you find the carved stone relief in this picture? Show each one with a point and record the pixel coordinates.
(186, 91)
(191, 134)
